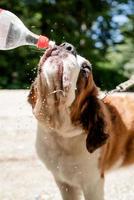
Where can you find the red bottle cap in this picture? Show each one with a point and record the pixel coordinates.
(43, 42)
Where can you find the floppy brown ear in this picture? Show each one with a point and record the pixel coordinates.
(32, 97)
(95, 114)
(97, 136)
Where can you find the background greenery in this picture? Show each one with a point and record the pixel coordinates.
(101, 30)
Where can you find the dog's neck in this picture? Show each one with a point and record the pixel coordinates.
(56, 116)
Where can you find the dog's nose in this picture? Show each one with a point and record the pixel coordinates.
(69, 47)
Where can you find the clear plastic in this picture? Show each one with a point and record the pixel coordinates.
(13, 33)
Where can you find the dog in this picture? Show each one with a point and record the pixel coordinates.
(79, 136)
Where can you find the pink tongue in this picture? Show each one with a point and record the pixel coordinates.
(51, 52)
(55, 52)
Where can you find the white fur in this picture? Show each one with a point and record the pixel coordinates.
(82, 60)
(70, 163)
(70, 74)
(63, 148)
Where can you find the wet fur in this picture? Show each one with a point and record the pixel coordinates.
(66, 133)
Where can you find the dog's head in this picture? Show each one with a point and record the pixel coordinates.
(65, 80)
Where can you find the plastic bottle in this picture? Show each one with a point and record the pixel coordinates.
(13, 33)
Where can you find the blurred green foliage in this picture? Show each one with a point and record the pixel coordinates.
(101, 30)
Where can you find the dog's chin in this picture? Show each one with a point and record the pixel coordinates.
(60, 72)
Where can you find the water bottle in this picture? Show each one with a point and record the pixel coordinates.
(13, 33)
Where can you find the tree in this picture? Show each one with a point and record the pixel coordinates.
(88, 25)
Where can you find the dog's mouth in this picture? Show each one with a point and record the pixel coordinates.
(60, 69)
(50, 53)
(60, 51)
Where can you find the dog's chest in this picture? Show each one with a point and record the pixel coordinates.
(67, 158)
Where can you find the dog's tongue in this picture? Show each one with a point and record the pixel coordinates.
(52, 51)
(49, 52)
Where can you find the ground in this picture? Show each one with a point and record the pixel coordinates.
(22, 175)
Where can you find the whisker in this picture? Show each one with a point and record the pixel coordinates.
(55, 91)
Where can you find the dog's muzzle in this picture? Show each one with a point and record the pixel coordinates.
(60, 69)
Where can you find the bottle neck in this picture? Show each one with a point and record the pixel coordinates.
(32, 39)
(39, 41)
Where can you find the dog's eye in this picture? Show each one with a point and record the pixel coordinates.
(86, 67)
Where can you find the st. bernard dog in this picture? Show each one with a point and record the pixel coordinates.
(79, 137)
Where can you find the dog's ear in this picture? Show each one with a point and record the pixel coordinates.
(32, 97)
(97, 135)
(97, 124)
(36, 98)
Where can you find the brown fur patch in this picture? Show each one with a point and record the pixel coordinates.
(121, 140)
(113, 117)
(88, 111)
(32, 97)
